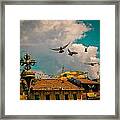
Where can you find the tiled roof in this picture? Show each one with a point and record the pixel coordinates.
(55, 84)
(86, 81)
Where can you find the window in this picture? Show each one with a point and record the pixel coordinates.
(57, 97)
(47, 97)
(74, 96)
(37, 97)
(66, 96)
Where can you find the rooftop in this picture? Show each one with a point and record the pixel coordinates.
(54, 84)
(86, 81)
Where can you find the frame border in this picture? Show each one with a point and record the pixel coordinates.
(55, 2)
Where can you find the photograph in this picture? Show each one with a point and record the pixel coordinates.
(60, 59)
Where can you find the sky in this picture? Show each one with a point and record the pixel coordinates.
(37, 37)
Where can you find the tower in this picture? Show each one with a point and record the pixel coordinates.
(27, 73)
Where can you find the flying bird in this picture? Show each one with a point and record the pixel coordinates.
(71, 52)
(86, 49)
(60, 49)
(92, 63)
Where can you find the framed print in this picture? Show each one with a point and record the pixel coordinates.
(60, 60)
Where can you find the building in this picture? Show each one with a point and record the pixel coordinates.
(55, 89)
(86, 84)
(68, 86)
(25, 83)
(71, 74)
(91, 88)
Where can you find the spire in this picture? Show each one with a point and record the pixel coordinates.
(27, 73)
(63, 68)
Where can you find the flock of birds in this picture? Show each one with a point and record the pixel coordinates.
(71, 53)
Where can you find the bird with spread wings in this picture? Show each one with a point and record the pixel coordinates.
(92, 63)
(60, 49)
(71, 52)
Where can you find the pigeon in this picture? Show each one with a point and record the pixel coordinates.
(86, 49)
(92, 63)
(60, 49)
(71, 52)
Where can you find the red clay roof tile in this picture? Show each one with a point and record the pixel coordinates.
(55, 84)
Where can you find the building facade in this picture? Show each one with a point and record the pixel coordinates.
(66, 87)
(55, 89)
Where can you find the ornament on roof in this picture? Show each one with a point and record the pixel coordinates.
(27, 62)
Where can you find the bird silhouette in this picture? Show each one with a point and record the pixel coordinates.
(92, 63)
(71, 52)
(86, 49)
(60, 49)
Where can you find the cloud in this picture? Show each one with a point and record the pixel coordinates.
(37, 37)
(55, 32)
(83, 57)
